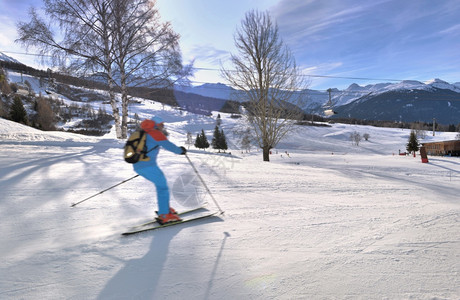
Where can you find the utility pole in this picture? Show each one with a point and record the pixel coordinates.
(434, 123)
(328, 111)
(329, 103)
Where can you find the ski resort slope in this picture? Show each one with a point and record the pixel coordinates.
(324, 219)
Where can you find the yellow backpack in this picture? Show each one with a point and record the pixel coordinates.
(136, 148)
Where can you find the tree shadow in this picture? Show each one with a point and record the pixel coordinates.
(435, 162)
(16, 173)
(28, 166)
(36, 179)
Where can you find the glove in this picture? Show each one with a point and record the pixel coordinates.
(183, 150)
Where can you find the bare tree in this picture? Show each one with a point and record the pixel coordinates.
(45, 115)
(123, 39)
(246, 140)
(266, 72)
(5, 91)
(419, 130)
(189, 142)
(5, 88)
(146, 50)
(355, 138)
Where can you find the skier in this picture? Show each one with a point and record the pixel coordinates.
(149, 169)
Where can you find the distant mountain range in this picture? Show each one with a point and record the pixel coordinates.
(406, 101)
(214, 90)
(406, 105)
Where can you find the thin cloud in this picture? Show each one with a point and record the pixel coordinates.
(208, 55)
(321, 68)
(452, 31)
(308, 18)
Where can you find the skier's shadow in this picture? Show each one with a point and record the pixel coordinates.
(139, 278)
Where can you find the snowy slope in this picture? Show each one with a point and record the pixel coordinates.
(14, 132)
(323, 220)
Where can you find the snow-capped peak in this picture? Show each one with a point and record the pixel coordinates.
(4, 57)
(435, 81)
(441, 84)
(406, 85)
(355, 87)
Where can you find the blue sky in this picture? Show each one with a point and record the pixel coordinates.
(338, 42)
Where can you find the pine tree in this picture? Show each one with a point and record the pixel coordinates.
(219, 141)
(197, 141)
(201, 141)
(412, 145)
(223, 141)
(18, 112)
(204, 139)
(216, 138)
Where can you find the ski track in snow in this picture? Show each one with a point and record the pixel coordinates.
(331, 221)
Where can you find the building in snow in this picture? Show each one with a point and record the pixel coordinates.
(450, 148)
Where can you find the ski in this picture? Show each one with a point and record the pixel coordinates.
(148, 228)
(179, 213)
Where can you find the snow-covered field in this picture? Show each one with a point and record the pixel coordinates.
(328, 221)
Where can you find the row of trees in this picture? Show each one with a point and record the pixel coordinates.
(122, 39)
(12, 106)
(356, 138)
(44, 113)
(218, 142)
(43, 118)
(418, 126)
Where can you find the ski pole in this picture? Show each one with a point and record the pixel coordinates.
(204, 184)
(74, 204)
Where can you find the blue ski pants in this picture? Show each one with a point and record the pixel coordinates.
(155, 175)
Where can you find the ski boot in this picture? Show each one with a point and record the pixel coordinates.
(168, 218)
